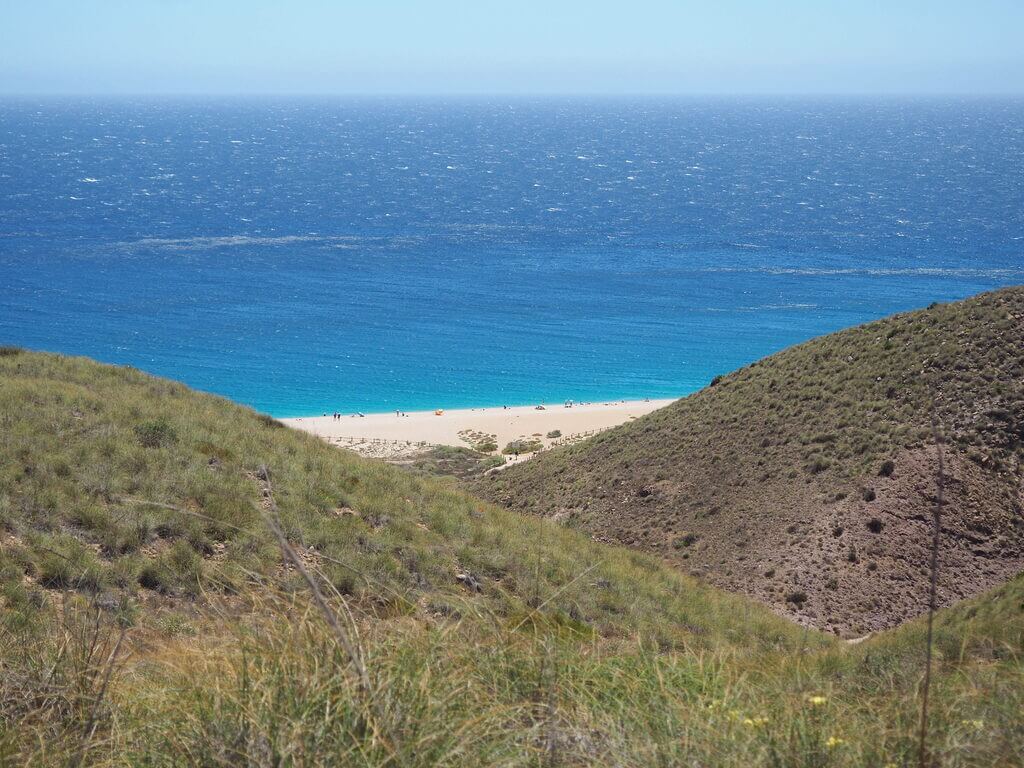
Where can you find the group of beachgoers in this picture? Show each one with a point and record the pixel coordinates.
(568, 404)
(336, 416)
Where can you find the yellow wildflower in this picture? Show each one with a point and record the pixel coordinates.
(817, 700)
(755, 722)
(976, 724)
(834, 741)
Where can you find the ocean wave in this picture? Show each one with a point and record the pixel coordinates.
(874, 272)
(203, 242)
(764, 307)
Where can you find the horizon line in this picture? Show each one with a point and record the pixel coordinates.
(515, 94)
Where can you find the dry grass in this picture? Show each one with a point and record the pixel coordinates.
(273, 686)
(362, 646)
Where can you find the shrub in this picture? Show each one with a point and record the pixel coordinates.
(156, 433)
(522, 446)
(76, 568)
(685, 540)
(554, 433)
(796, 597)
(887, 468)
(179, 570)
(154, 576)
(137, 534)
(818, 464)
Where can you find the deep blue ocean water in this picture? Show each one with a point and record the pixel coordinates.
(304, 256)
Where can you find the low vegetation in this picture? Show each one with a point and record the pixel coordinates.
(481, 442)
(812, 472)
(183, 582)
(524, 445)
(448, 461)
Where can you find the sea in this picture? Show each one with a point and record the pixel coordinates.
(310, 255)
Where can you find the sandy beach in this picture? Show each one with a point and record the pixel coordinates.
(386, 434)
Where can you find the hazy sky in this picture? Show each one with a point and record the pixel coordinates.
(516, 46)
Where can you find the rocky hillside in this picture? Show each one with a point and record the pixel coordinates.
(807, 480)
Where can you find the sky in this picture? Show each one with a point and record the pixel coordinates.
(511, 47)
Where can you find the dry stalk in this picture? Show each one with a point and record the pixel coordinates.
(932, 589)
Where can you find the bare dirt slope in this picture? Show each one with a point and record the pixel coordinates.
(807, 480)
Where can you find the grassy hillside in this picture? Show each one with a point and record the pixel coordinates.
(113, 482)
(807, 480)
(150, 616)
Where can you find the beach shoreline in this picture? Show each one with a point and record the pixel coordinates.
(391, 434)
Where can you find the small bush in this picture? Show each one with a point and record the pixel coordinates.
(74, 569)
(178, 571)
(818, 464)
(522, 446)
(685, 540)
(138, 534)
(887, 468)
(554, 433)
(153, 576)
(155, 434)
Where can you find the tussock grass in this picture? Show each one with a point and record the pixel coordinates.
(149, 617)
(272, 686)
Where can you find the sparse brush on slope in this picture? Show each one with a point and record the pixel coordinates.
(805, 480)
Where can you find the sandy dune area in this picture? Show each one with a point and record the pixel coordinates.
(393, 434)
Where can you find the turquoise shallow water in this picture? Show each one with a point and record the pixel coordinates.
(311, 255)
